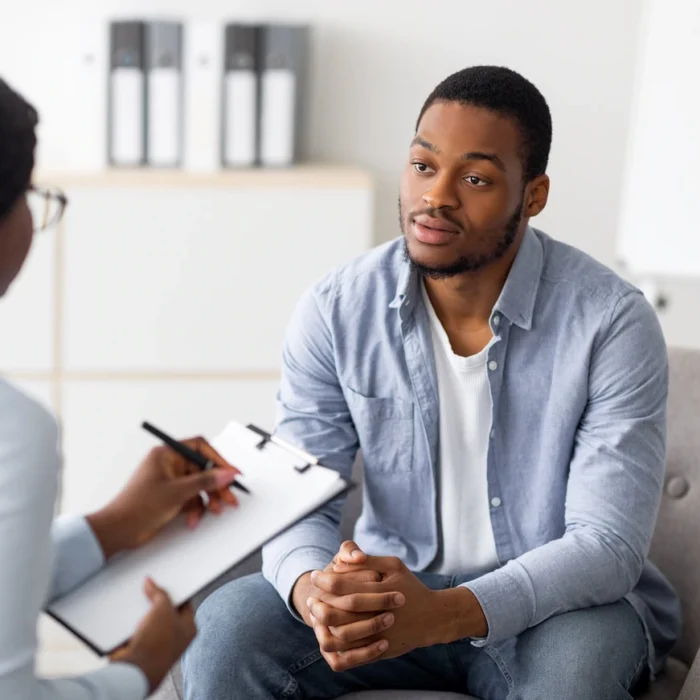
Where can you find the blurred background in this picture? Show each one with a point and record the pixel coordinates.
(165, 293)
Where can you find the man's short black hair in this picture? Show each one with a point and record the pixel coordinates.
(508, 94)
(18, 120)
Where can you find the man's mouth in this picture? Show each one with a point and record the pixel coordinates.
(436, 224)
(432, 231)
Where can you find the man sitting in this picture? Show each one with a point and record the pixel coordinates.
(508, 394)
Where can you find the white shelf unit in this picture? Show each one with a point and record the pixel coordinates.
(165, 296)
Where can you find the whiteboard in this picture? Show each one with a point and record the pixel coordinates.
(659, 230)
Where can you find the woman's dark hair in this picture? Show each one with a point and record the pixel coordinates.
(18, 120)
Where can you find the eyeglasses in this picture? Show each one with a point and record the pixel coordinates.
(47, 205)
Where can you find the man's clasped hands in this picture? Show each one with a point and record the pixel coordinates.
(364, 608)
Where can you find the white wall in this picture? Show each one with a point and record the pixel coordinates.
(375, 61)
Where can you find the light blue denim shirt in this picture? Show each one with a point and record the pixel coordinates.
(579, 379)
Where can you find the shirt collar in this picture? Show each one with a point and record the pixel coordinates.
(517, 300)
(406, 289)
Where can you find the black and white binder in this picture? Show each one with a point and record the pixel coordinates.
(127, 94)
(240, 95)
(164, 65)
(283, 75)
(203, 71)
(286, 484)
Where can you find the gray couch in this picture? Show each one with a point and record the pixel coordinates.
(675, 548)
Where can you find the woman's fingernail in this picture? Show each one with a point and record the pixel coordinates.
(309, 602)
(399, 598)
(383, 645)
(356, 554)
(224, 477)
(314, 576)
(388, 620)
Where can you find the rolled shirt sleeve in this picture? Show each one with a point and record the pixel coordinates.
(312, 413)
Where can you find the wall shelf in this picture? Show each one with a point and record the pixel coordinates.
(145, 376)
(307, 175)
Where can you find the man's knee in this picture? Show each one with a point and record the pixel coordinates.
(235, 629)
(237, 616)
(592, 654)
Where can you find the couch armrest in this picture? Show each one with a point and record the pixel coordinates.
(691, 687)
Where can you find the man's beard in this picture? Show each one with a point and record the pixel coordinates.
(466, 263)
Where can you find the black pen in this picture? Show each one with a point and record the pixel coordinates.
(187, 452)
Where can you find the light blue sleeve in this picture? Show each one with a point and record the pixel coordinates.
(614, 488)
(114, 682)
(77, 553)
(313, 414)
(29, 466)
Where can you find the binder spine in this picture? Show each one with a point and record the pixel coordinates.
(164, 135)
(240, 96)
(127, 95)
(203, 76)
(283, 77)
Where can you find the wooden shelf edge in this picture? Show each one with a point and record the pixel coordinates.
(311, 175)
(145, 376)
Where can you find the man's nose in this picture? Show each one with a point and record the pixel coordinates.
(442, 194)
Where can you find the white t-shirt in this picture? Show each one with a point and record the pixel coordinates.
(467, 545)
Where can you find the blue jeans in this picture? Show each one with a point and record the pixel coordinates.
(250, 647)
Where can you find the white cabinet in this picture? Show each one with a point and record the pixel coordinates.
(165, 297)
(163, 279)
(27, 312)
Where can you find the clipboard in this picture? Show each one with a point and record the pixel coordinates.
(266, 438)
(287, 484)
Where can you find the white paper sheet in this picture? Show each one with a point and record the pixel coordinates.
(106, 610)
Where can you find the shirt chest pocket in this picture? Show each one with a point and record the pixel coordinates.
(385, 429)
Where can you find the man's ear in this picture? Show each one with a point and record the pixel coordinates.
(537, 195)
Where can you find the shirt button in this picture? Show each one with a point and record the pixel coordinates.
(493, 365)
(495, 501)
(496, 320)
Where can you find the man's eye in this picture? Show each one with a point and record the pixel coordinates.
(422, 168)
(476, 181)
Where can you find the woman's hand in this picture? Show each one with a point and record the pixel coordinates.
(164, 485)
(161, 638)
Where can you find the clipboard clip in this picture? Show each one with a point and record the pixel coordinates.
(265, 437)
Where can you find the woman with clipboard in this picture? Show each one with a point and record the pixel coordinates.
(41, 558)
